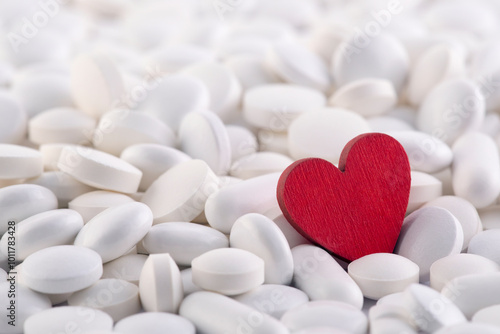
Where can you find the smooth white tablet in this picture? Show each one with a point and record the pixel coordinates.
(50, 155)
(391, 326)
(59, 319)
(243, 141)
(19, 162)
(381, 274)
(367, 97)
(116, 230)
(14, 120)
(428, 235)
(229, 271)
(127, 267)
(202, 135)
(261, 236)
(251, 70)
(160, 284)
(388, 124)
(323, 133)
(172, 58)
(259, 163)
(99, 169)
(62, 269)
(154, 323)
(181, 192)
(92, 203)
(424, 188)
(487, 315)
(121, 128)
(275, 106)
(96, 84)
(183, 241)
(486, 244)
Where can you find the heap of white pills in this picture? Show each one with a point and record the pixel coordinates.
(141, 143)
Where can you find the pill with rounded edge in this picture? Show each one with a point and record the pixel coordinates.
(19, 162)
(486, 244)
(127, 267)
(154, 323)
(424, 188)
(259, 163)
(90, 204)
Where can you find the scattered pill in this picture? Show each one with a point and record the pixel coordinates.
(19, 162)
(259, 163)
(424, 188)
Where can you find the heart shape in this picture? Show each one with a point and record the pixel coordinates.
(356, 209)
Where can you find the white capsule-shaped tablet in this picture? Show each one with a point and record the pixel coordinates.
(476, 169)
(323, 133)
(229, 316)
(293, 237)
(486, 244)
(127, 267)
(183, 241)
(474, 292)
(180, 193)
(259, 163)
(261, 236)
(64, 318)
(424, 188)
(62, 269)
(426, 153)
(242, 140)
(487, 315)
(92, 203)
(427, 235)
(160, 284)
(14, 120)
(378, 275)
(19, 162)
(116, 230)
(322, 278)
(257, 195)
(154, 323)
(229, 271)
(273, 299)
(329, 313)
(447, 268)
(99, 169)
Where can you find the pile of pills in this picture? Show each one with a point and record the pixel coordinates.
(141, 143)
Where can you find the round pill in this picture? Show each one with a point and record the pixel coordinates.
(127, 267)
(90, 204)
(228, 271)
(62, 269)
(380, 274)
(486, 244)
(99, 169)
(14, 120)
(259, 163)
(154, 323)
(19, 162)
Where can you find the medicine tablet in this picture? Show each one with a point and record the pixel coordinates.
(391, 326)
(487, 315)
(486, 244)
(229, 271)
(388, 124)
(424, 188)
(90, 204)
(242, 140)
(172, 58)
(99, 169)
(127, 267)
(259, 163)
(154, 323)
(273, 141)
(14, 120)
(62, 269)
(19, 162)
(251, 70)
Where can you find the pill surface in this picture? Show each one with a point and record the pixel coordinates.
(154, 323)
(127, 267)
(486, 244)
(19, 162)
(92, 203)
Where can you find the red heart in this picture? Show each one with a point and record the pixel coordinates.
(357, 209)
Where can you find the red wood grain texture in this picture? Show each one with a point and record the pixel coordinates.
(356, 209)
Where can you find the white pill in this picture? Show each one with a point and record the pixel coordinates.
(183, 241)
(202, 135)
(154, 323)
(273, 141)
(474, 292)
(256, 195)
(242, 140)
(116, 297)
(116, 230)
(297, 65)
(50, 155)
(389, 310)
(453, 266)
(466, 328)
(46, 229)
(19, 162)
(92, 203)
(14, 118)
(323, 133)
(273, 299)
(275, 106)
(435, 65)
(62, 269)
(261, 236)
(127, 267)
(426, 153)
(424, 188)
(251, 70)
(229, 271)
(187, 282)
(318, 274)
(153, 160)
(329, 313)
(384, 58)
(229, 316)
(96, 84)
(65, 187)
(187, 185)
(451, 109)
(486, 244)
(64, 318)
(26, 303)
(487, 315)
(99, 169)
(427, 235)
(121, 128)
(22, 201)
(476, 169)
(388, 124)
(293, 237)
(422, 303)
(160, 284)
(259, 163)
(490, 217)
(378, 275)
(174, 97)
(172, 58)
(223, 87)
(367, 97)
